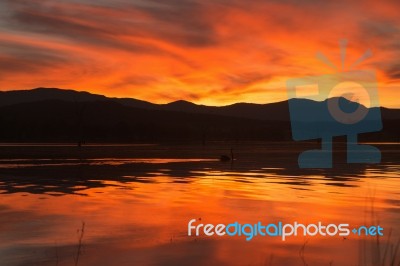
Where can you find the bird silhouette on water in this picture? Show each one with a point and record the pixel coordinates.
(227, 158)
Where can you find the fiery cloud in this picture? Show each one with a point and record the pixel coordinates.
(210, 52)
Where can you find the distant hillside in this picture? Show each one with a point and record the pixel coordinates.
(246, 110)
(52, 115)
(107, 121)
(40, 94)
(271, 111)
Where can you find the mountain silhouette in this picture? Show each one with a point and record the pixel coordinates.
(40, 94)
(55, 115)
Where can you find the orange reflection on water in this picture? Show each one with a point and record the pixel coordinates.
(141, 215)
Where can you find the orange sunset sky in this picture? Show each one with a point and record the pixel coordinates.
(213, 52)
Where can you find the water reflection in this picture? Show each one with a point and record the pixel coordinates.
(57, 177)
(136, 209)
(22, 163)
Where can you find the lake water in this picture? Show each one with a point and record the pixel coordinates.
(134, 203)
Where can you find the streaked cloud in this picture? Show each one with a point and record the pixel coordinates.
(211, 52)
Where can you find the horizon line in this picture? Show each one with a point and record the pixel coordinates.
(180, 100)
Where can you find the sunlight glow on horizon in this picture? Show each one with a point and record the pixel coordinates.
(207, 52)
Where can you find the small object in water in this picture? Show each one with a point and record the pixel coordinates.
(226, 158)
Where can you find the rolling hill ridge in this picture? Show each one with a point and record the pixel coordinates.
(55, 115)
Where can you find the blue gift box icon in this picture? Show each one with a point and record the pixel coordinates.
(345, 104)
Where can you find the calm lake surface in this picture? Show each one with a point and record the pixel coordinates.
(136, 201)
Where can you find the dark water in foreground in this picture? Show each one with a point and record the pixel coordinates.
(136, 202)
